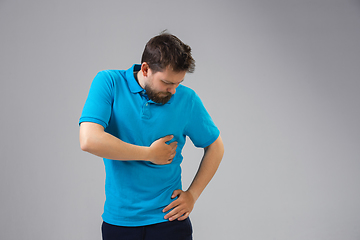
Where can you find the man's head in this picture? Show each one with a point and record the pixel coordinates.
(168, 51)
(160, 86)
(165, 61)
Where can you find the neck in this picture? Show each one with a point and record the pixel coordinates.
(141, 79)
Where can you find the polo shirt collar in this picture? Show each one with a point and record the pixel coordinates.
(134, 85)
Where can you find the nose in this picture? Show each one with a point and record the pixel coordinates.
(172, 90)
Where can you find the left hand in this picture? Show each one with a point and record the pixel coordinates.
(181, 207)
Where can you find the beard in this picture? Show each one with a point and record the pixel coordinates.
(158, 97)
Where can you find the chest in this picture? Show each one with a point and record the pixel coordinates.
(137, 120)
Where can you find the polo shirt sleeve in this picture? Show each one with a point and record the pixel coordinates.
(200, 128)
(98, 105)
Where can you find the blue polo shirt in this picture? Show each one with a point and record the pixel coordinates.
(137, 191)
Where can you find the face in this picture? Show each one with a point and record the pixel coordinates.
(160, 86)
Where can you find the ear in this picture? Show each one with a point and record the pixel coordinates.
(145, 69)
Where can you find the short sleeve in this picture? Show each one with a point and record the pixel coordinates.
(98, 105)
(200, 128)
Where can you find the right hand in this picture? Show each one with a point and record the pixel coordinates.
(162, 153)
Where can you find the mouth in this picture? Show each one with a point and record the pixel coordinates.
(164, 95)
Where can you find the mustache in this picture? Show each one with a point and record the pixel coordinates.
(165, 94)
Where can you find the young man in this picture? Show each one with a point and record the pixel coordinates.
(138, 120)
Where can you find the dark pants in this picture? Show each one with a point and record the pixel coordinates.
(175, 230)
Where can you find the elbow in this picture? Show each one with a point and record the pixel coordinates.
(86, 141)
(89, 135)
(85, 144)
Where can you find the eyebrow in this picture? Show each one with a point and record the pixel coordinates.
(167, 82)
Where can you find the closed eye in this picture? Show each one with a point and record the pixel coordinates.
(171, 83)
(168, 83)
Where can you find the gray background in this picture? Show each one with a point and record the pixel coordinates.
(280, 79)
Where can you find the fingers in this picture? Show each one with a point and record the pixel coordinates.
(173, 144)
(174, 203)
(167, 138)
(162, 152)
(185, 216)
(173, 147)
(180, 207)
(172, 152)
(168, 207)
(177, 213)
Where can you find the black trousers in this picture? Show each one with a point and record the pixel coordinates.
(175, 230)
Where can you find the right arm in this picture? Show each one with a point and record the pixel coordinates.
(95, 140)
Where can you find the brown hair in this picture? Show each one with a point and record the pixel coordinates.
(167, 50)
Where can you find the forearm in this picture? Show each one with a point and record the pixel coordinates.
(95, 141)
(208, 167)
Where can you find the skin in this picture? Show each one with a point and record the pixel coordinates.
(95, 140)
(184, 204)
(162, 82)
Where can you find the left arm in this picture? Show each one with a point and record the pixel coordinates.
(183, 205)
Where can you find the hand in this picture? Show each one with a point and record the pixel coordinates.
(162, 153)
(181, 207)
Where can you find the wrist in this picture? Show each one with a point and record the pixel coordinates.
(146, 153)
(194, 194)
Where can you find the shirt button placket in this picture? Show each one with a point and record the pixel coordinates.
(146, 110)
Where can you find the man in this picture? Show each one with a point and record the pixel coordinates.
(138, 120)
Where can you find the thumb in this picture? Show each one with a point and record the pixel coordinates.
(176, 193)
